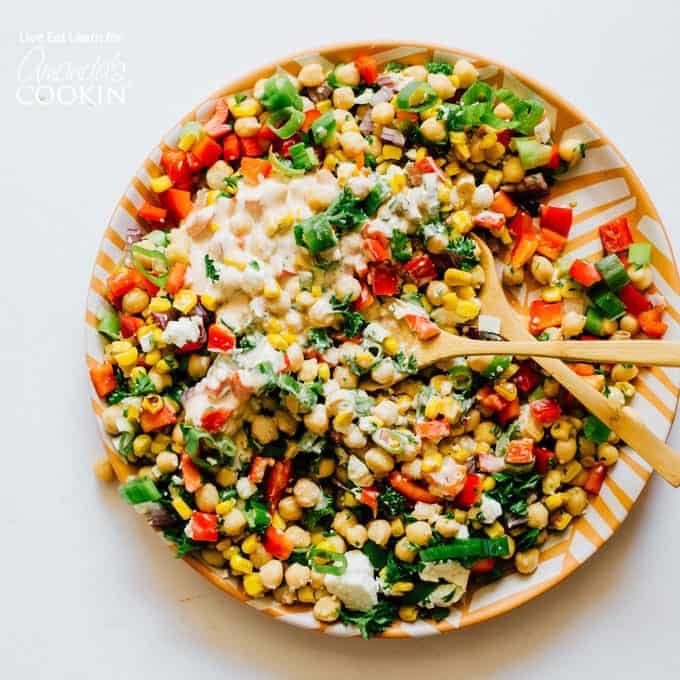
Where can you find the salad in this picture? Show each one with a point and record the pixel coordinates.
(288, 236)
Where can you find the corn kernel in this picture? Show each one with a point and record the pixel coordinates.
(159, 304)
(364, 359)
(137, 372)
(225, 507)
(153, 403)
(290, 338)
(224, 544)
(489, 484)
(163, 366)
(119, 346)
(505, 236)
(397, 527)
(402, 587)
(488, 140)
(408, 614)
(324, 372)
(421, 152)
(292, 449)
(185, 300)
(507, 390)
(160, 443)
(152, 358)
(230, 552)
(482, 447)
(457, 277)
(236, 264)
(183, 510)
(241, 564)
(461, 221)
(432, 462)
(391, 152)
(343, 419)
(495, 530)
(161, 184)
(493, 178)
(391, 346)
(278, 522)
(209, 302)
(272, 290)
(467, 309)
(554, 501)
(272, 325)
(128, 358)
(306, 594)
(250, 544)
(450, 301)
(432, 408)
(410, 289)
(317, 291)
(330, 162)
(252, 584)
(560, 521)
(466, 292)
(250, 107)
(324, 105)
(141, 444)
(551, 294)
(397, 183)
(427, 305)
(210, 198)
(452, 168)
(187, 140)
(449, 409)
(277, 341)
(457, 137)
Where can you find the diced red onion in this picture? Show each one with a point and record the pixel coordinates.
(387, 81)
(160, 518)
(392, 136)
(384, 94)
(318, 94)
(162, 318)
(366, 125)
(135, 233)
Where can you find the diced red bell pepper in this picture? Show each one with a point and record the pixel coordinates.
(502, 203)
(544, 315)
(615, 235)
(152, 213)
(207, 151)
(368, 68)
(595, 479)
(129, 325)
(190, 473)
(503, 136)
(550, 243)
(557, 219)
(376, 250)
(584, 273)
(652, 324)
(635, 301)
(277, 480)
(554, 160)
(369, 498)
(103, 379)
(204, 526)
(364, 300)
(526, 378)
(214, 419)
(178, 202)
(254, 168)
(483, 565)
(175, 279)
(410, 489)
(220, 339)
(174, 162)
(433, 429)
(231, 147)
(258, 468)
(425, 165)
(411, 116)
(490, 399)
(422, 327)
(151, 422)
(488, 219)
(471, 493)
(545, 459)
(384, 280)
(310, 116)
(525, 245)
(277, 544)
(509, 412)
(266, 136)
(582, 369)
(546, 411)
(253, 147)
(520, 223)
(421, 270)
(520, 451)
(193, 162)
(120, 282)
(143, 283)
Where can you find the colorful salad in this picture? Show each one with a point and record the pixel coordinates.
(287, 235)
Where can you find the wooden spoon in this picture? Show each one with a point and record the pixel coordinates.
(621, 420)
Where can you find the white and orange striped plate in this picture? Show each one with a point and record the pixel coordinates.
(603, 187)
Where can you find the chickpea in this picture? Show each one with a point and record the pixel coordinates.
(226, 477)
(561, 430)
(103, 469)
(309, 370)
(436, 290)
(512, 276)
(307, 493)
(416, 72)
(289, 509)
(537, 516)
(264, 429)
(383, 113)
(207, 498)
(317, 580)
(471, 420)
(318, 197)
(419, 533)
(541, 269)
(565, 450)
(573, 324)
(442, 85)
(404, 551)
(326, 468)
(641, 277)
(343, 98)
(135, 301)
(433, 130)
(213, 557)
(167, 462)
(345, 286)
(609, 326)
(317, 420)
(379, 531)
(217, 173)
(623, 372)
(527, 562)
(630, 324)
(447, 527)
(271, 574)
(484, 432)
(241, 223)
(234, 522)
(480, 363)
(327, 609)
(512, 170)
(353, 143)
(248, 126)
(345, 378)
(567, 149)
(607, 454)
(357, 535)
(383, 373)
(348, 74)
(551, 482)
(284, 595)
(110, 416)
(466, 72)
(577, 500)
(378, 461)
(298, 536)
(297, 576)
(311, 75)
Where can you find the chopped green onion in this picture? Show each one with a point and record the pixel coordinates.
(608, 303)
(416, 96)
(613, 271)
(595, 430)
(370, 161)
(303, 156)
(640, 254)
(140, 490)
(337, 567)
(391, 440)
(323, 127)
(315, 233)
(593, 325)
(284, 123)
(532, 154)
(378, 194)
(109, 325)
(284, 167)
(462, 548)
(154, 255)
(279, 93)
(527, 113)
(479, 91)
(461, 377)
(498, 366)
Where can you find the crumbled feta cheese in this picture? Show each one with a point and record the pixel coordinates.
(182, 331)
(490, 510)
(428, 512)
(542, 131)
(443, 596)
(376, 331)
(450, 571)
(146, 342)
(357, 587)
(245, 488)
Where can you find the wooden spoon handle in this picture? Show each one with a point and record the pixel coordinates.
(644, 352)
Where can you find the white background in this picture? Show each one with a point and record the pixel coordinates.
(85, 590)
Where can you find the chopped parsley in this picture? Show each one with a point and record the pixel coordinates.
(372, 622)
(439, 67)
(210, 268)
(240, 98)
(404, 364)
(141, 387)
(394, 67)
(391, 502)
(400, 245)
(321, 513)
(254, 264)
(183, 544)
(247, 342)
(462, 251)
(511, 491)
(319, 339)
(257, 515)
(354, 322)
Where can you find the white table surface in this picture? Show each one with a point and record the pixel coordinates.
(86, 591)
